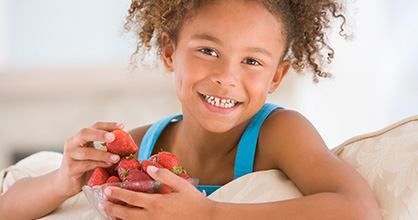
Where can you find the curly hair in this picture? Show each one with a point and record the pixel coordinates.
(306, 23)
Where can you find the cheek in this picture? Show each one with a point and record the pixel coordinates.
(186, 78)
(258, 83)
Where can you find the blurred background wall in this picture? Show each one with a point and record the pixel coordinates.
(65, 65)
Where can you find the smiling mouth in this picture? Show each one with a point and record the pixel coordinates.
(218, 102)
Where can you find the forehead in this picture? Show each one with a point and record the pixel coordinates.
(235, 20)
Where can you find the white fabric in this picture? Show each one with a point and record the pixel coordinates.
(257, 187)
(387, 159)
(76, 207)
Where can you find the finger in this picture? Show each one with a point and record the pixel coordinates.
(169, 178)
(107, 126)
(123, 212)
(134, 198)
(89, 135)
(92, 154)
(80, 168)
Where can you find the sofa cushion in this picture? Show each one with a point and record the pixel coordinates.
(387, 159)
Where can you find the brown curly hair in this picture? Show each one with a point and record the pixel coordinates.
(306, 23)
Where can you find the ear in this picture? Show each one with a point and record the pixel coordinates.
(279, 75)
(167, 51)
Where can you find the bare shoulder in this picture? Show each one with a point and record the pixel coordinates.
(289, 130)
(138, 133)
(292, 144)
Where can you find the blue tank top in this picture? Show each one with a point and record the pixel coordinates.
(244, 159)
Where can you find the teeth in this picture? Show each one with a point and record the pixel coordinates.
(218, 102)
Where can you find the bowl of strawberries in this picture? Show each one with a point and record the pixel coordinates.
(129, 173)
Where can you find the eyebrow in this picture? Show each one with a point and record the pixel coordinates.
(206, 37)
(217, 41)
(260, 50)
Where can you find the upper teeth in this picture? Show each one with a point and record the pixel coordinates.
(218, 102)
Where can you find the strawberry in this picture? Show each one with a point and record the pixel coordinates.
(112, 170)
(169, 161)
(146, 163)
(134, 176)
(184, 175)
(153, 158)
(123, 144)
(98, 177)
(127, 164)
(113, 179)
(164, 189)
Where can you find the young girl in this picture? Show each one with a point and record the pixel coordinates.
(227, 56)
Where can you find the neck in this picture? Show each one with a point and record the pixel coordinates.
(205, 145)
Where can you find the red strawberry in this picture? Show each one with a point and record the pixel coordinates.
(184, 175)
(113, 179)
(112, 170)
(153, 158)
(98, 177)
(134, 176)
(146, 163)
(127, 164)
(164, 189)
(169, 161)
(123, 145)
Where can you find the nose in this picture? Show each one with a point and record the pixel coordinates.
(226, 74)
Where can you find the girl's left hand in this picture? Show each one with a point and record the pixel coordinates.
(184, 202)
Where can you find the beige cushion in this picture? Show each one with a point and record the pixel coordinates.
(387, 159)
(257, 187)
(76, 207)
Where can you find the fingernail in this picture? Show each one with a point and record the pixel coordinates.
(115, 158)
(108, 191)
(109, 136)
(152, 169)
(101, 206)
(119, 125)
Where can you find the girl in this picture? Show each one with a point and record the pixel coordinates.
(226, 57)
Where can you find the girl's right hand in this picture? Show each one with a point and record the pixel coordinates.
(80, 156)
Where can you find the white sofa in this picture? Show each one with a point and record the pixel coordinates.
(387, 159)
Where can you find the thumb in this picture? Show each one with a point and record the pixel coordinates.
(168, 178)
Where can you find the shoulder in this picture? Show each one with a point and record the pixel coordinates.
(286, 136)
(289, 123)
(138, 133)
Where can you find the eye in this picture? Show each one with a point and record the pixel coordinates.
(251, 61)
(208, 51)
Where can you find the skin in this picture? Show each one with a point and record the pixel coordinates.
(232, 50)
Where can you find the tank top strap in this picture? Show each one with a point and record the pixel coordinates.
(244, 160)
(152, 134)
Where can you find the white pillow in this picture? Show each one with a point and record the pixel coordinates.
(76, 207)
(387, 159)
(257, 187)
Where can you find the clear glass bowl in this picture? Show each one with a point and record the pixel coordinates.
(96, 194)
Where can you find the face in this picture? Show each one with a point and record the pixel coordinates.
(226, 60)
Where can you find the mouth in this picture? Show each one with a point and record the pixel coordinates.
(219, 102)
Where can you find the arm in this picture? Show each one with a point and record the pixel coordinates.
(35, 195)
(38, 196)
